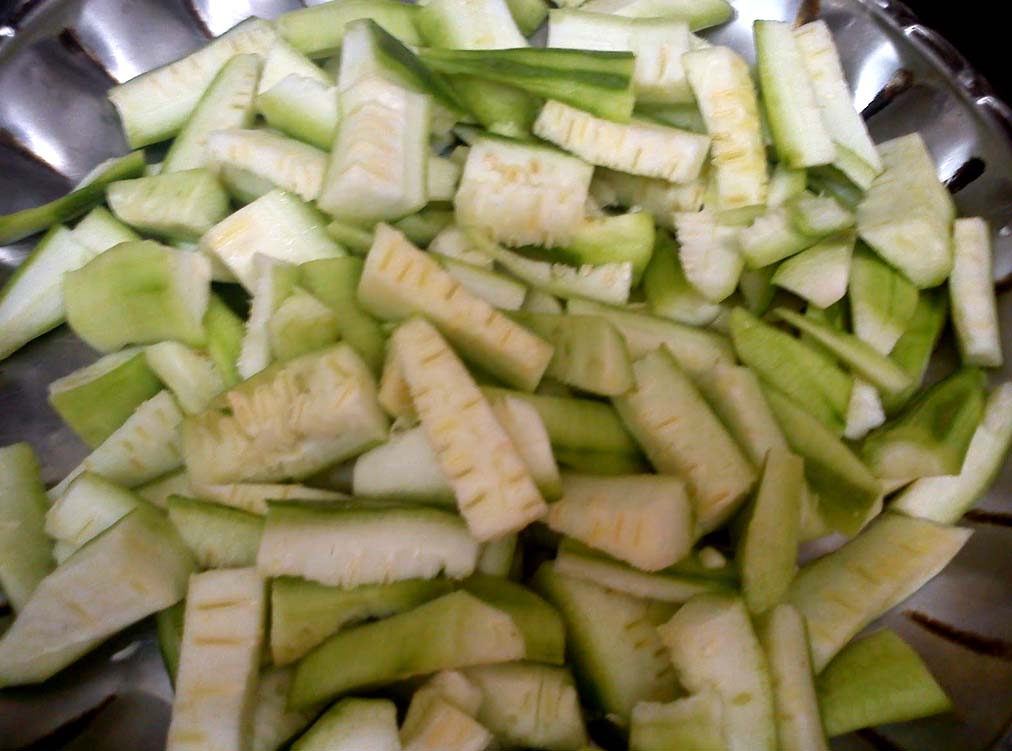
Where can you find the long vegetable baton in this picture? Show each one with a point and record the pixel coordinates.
(799, 134)
(844, 591)
(699, 14)
(494, 490)
(971, 290)
(856, 155)
(136, 568)
(25, 558)
(637, 147)
(681, 435)
(322, 406)
(944, 499)
(727, 100)
(227, 103)
(398, 280)
(21, 224)
(785, 641)
(219, 661)
(460, 630)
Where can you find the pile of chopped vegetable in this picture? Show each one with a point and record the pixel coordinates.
(553, 358)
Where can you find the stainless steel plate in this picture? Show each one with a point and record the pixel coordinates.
(57, 58)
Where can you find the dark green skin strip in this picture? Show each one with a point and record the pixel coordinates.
(398, 54)
(606, 94)
(21, 224)
(509, 67)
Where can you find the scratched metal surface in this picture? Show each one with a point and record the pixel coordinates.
(57, 58)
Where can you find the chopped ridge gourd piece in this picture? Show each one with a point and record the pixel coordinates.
(861, 357)
(806, 375)
(846, 488)
(31, 300)
(89, 507)
(25, 557)
(645, 520)
(884, 666)
(532, 705)
(699, 14)
(670, 585)
(399, 280)
(139, 293)
(785, 640)
(305, 613)
(681, 435)
(598, 82)
(349, 547)
(906, 215)
(377, 168)
(286, 163)
(658, 197)
(174, 205)
(946, 498)
(190, 375)
(98, 398)
(696, 350)
(278, 225)
(768, 547)
(523, 194)
(613, 643)
(590, 353)
(354, 725)
(134, 569)
(695, 722)
(454, 631)
(658, 44)
(219, 661)
(144, 447)
(801, 138)
(637, 147)
(494, 490)
(227, 103)
(302, 108)
(284, 60)
(318, 31)
(841, 593)
(971, 290)
(218, 536)
(709, 254)
(882, 300)
(155, 105)
(713, 646)
(21, 224)
(727, 100)
(290, 420)
(856, 155)
(820, 273)
(932, 435)
(735, 394)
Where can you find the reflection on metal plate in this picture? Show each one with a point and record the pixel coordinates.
(57, 57)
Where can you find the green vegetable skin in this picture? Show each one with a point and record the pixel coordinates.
(21, 224)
